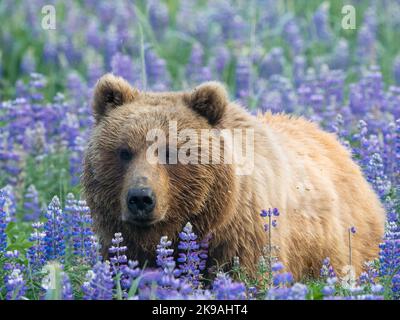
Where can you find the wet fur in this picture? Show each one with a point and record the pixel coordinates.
(299, 169)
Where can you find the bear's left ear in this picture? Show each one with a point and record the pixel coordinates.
(110, 92)
(209, 100)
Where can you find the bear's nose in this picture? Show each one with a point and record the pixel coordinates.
(141, 202)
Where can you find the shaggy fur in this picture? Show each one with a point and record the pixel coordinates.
(299, 169)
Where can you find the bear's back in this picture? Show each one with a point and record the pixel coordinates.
(328, 195)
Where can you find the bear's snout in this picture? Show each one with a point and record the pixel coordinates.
(141, 203)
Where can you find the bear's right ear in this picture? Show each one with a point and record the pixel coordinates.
(110, 92)
(209, 100)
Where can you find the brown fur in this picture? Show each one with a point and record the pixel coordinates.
(299, 169)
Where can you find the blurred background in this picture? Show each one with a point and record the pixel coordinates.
(174, 44)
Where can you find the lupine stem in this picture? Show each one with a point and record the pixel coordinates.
(350, 262)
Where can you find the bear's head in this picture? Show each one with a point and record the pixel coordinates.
(148, 166)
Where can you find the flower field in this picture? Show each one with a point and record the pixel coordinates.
(287, 56)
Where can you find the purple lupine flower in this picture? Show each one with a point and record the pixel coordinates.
(366, 40)
(148, 284)
(93, 250)
(99, 283)
(391, 150)
(297, 291)
(372, 87)
(14, 280)
(270, 213)
(273, 63)
(37, 252)
(35, 141)
(293, 36)
(232, 24)
(271, 100)
(156, 70)
(339, 129)
(76, 159)
(361, 138)
(18, 116)
(31, 204)
(369, 276)
(3, 222)
(69, 129)
(10, 204)
(389, 255)
(329, 289)
(282, 279)
(78, 95)
(282, 85)
(106, 12)
(54, 228)
(283, 287)
(168, 283)
(164, 252)
(50, 115)
(277, 266)
(327, 270)
(50, 51)
(69, 217)
(205, 74)
(95, 66)
(333, 85)
(369, 144)
(203, 252)
(117, 253)
(243, 72)
(196, 25)
(298, 71)
(37, 82)
(195, 63)
(94, 38)
(129, 272)
(122, 66)
(15, 285)
(252, 293)
(391, 207)
(396, 286)
(189, 260)
(356, 103)
(221, 60)
(321, 23)
(158, 16)
(376, 176)
(225, 289)
(28, 63)
(397, 152)
(340, 56)
(359, 293)
(66, 288)
(81, 231)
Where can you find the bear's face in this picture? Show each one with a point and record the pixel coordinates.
(133, 161)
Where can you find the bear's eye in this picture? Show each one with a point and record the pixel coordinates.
(125, 154)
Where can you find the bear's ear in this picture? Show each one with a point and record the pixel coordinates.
(209, 100)
(110, 92)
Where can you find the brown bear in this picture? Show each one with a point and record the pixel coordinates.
(299, 169)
